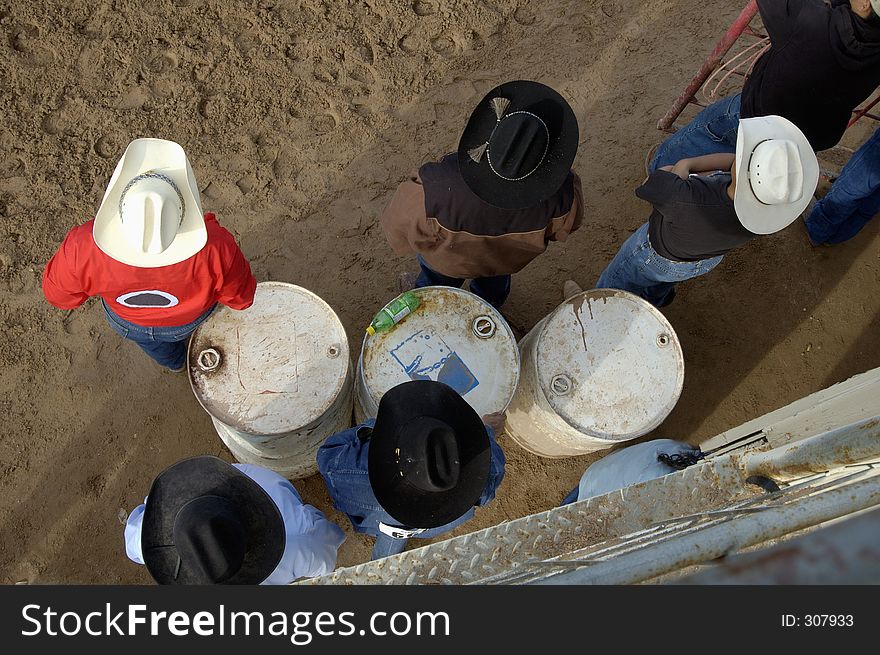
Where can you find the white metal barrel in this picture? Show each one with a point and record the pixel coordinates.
(604, 367)
(276, 378)
(453, 337)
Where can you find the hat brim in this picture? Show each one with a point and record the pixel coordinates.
(407, 504)
(168, 158)
(210, 476)
(755, 216)
(551, 174)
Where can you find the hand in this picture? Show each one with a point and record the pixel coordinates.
(495, 421)
(682, 168)
(668, 169)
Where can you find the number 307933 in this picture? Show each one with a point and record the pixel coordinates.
(817, 620)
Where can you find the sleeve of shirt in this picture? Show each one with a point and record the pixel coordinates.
(316, 545)
(404, 221)
(780, 17)
(563, 226)
(133, 534)
(238, 284)
(496, 469)
(659, 187)
(61, 284)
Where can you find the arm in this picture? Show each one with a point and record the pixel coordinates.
(659, 186)
(563, 226)
(722, 161)
(780, 17)
(237, 284)
(314, 548)
(61, 284)
(404, 221)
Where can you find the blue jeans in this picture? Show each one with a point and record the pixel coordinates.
(386, 546)
(494, 290)
(637, 268)
(854, 198)
(571, 497)
(166, 345)
(713, 130)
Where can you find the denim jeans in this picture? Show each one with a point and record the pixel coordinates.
(166, 345)
(638, 268)
(494, 290)
(571, 497)
(854, 198)
(713, 130)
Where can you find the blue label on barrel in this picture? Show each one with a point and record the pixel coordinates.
(425, 356)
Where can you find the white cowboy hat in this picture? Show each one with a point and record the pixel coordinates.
(776, 173)
(151, 215)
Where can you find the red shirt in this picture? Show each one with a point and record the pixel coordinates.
(154, 297)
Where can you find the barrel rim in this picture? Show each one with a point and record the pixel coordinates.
(343, 356)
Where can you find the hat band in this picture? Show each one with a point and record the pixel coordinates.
(540, 161)
(158, 176)
(749, 170)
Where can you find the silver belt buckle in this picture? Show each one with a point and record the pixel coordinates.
(396, 532)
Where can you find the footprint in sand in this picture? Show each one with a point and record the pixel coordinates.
(163, 63)
(247, 41)
(325, 72)
(477, 40)
(26, 41)
(444, 45)
(324, 123)
(362, 73)
(610, 8)
(108, 146)
(57, 122)
(409, 44)
(525, 16)
(12, 167)
(424, 7)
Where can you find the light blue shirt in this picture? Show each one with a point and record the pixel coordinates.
(311, 540)
(631, 465)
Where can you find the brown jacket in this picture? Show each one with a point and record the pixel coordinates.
(434, 214)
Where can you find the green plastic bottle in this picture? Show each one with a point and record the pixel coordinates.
(393, 312)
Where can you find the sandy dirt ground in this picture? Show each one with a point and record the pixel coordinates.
(300, 117)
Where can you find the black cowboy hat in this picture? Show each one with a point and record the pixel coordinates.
(519, 144)
(429, 454)
(207, 523)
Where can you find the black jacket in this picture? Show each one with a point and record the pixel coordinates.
(824, 61)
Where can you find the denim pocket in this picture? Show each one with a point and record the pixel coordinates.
(672, 271)
(721, 129)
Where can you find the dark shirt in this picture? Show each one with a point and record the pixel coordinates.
(693, 219)
(824, 61)
(436, 215)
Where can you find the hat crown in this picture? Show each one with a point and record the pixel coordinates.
(210, 537)
(151, 212)
(429, 457)
(518, 145)
(776, 174)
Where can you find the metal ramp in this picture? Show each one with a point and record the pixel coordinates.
(715, 508)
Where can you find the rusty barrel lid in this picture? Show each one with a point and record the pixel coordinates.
(275, 367)
(453, 337)
(610, 364)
